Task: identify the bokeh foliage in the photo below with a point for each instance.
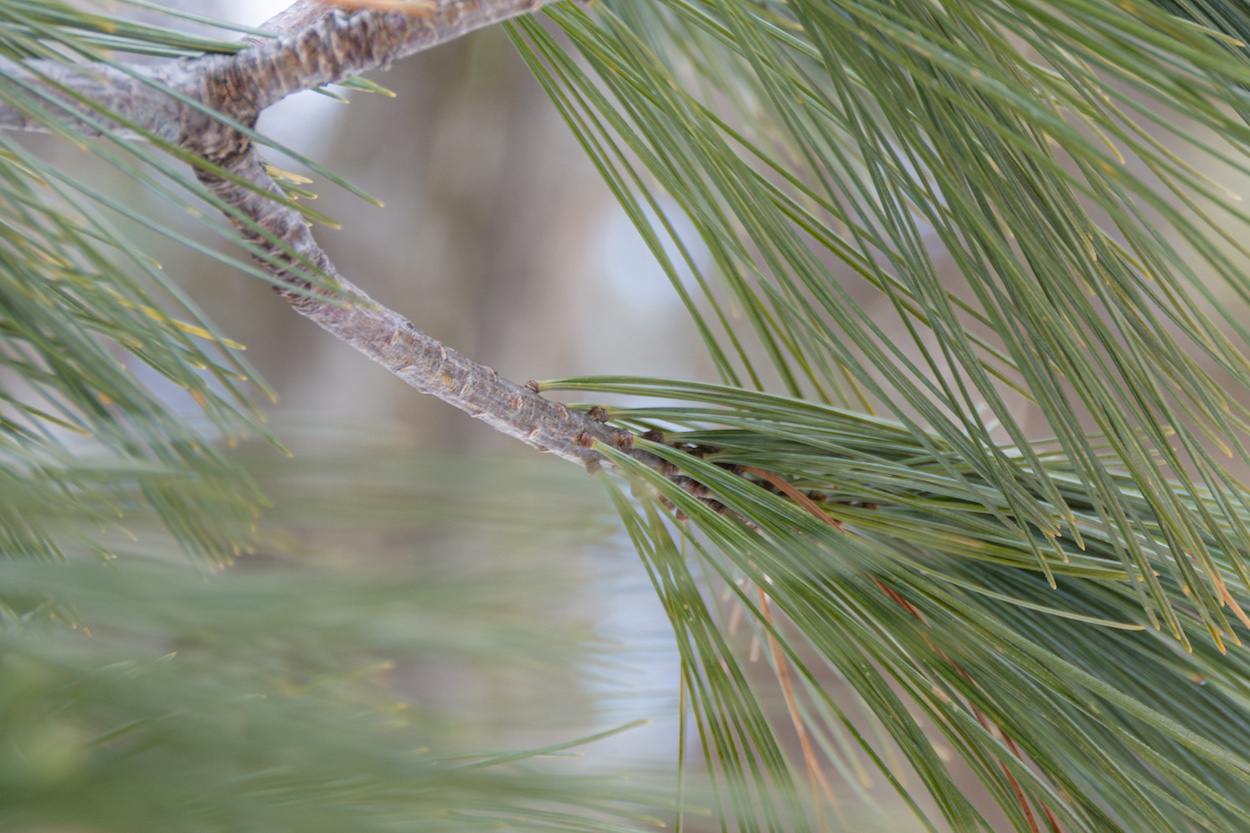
(321, 683)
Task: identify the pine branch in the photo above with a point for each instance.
(328, 46)
(219, 98)
(391, 340)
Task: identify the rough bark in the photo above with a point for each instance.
(391, 339)
(317, 44)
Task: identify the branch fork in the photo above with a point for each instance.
(221, 96)
(329, 45)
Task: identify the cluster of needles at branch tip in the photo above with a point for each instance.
(809, 501)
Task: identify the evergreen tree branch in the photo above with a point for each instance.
(333, 47)
(218, 100)
(390, 339)
(328, 45)
(318, 44)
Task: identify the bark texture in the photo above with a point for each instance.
(221, 96)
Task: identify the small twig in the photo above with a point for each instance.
(794, 494)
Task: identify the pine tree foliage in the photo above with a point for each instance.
(1013, 591)
(1064, 614)
(80, 435)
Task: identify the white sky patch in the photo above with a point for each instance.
(305, 122)
(249, 12)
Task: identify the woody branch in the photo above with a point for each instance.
(317, 44)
